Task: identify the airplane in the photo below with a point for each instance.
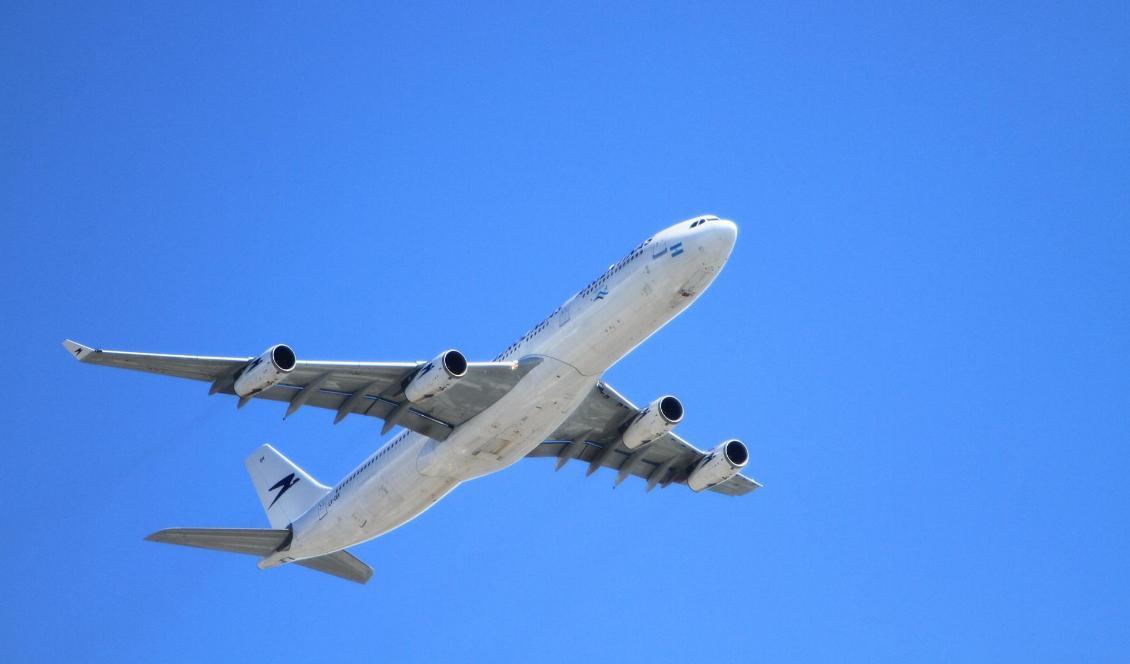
(543, 396)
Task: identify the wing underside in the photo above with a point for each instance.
(592, 435)
(373, 389)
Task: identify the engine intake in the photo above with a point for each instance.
(658, 418)
(266, 370)
(436, 376)
(721, 464)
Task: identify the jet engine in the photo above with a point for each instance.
(265, 370)
(658, 418)
(722, 463)
(436, 376)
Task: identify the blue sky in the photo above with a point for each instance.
(922, 333)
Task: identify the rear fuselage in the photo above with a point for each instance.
(576, 344)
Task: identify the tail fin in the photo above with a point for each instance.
(285, 490)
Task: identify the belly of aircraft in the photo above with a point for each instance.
(507, 431)
(425, 471)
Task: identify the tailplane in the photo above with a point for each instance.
(254, 541)
(264, 542)
(341, 564)
(285, 490)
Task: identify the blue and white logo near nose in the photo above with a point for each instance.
(674, 250)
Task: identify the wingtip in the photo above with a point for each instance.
(365, 576)
(754, 485)
(77, 350)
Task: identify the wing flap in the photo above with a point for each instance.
(372, 405)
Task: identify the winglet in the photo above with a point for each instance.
(77, 350)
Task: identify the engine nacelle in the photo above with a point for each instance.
(658, 418)
(265, 370)
(436, 376)
(721, 464)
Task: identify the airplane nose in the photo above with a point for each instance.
(729, 231)
(720, 235)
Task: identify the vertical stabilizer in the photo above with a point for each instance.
(285, 490)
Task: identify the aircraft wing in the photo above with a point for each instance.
(592, 434)
(366, 388)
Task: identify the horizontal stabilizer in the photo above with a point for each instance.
(341, 564)
(254, 541)
(263, 542)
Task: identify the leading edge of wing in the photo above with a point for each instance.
(84, 353)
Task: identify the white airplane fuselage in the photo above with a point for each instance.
(575, 344)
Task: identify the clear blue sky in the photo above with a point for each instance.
(922, 333)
